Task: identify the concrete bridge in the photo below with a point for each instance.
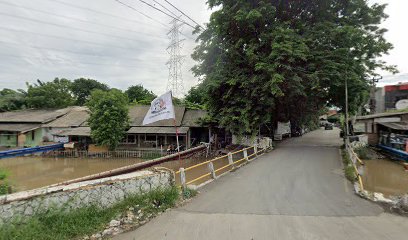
(296, 192)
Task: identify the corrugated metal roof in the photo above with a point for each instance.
(157, 130)
(379, 115)
(18, 127)
(396, 125)
(137, 114)
(80, 131)
(32, 116)
(72, 119)
(191, 118)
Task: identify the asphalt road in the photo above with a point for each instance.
(297, 191)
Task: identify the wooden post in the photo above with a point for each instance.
(211, 168)
(183, 178)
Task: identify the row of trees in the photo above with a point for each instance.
(62, 92)
(264, 61)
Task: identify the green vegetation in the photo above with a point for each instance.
(60, 224)
(139, 95)
(267, 61)
(189, 193)
(109, 118)
(362, 152)
(4, 184)
(81, 89)
(349, 170)
(12, 100)
(54, 94)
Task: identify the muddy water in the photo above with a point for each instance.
(385, 176)
(33, 172)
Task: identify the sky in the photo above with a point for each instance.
(121, 46)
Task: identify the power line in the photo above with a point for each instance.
(136, 10)
(103, 13)
(177, 19)
(70, 39)
(65, 26)
(69, 51)
(165, 8)
(64, 61)
(76, 19)
(183, 13)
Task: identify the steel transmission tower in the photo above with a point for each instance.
(175, 81)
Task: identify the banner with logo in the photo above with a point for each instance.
(160, 108)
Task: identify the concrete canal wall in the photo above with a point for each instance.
(102, 192)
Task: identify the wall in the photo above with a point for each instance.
(5, 141)
(38, 138)
(102, 192)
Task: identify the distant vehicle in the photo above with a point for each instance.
(283, 130)
(328, 126)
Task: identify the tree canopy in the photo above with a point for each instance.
(138, 94)
(109, 117)
(269, 61)
(54, 94)
(81, 89)
(12, 100)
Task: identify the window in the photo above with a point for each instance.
(32, 135)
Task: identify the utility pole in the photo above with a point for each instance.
(373, 102)
(175, 81)
(346, 114)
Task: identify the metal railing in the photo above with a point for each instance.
(143, 154)
(355, 160)
(213, 168)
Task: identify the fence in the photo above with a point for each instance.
(208, 170)
(355, 160)
(143, 154)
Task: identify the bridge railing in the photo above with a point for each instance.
(211, 169)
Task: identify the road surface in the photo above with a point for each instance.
(297, 191)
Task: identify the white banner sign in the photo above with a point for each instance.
(160, 108)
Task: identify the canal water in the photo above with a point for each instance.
(28, 173)
(385, 176)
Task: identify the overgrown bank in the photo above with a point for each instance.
(59, 223)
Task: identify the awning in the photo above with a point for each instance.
(80, 131)
(18, 127)
(157, 130)
(396, 125)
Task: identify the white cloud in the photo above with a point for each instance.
(119, 47)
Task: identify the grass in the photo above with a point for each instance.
(189, 193)
(362, 152)
(4, 184)
(61, 224)
(349, 170)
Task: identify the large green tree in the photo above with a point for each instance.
(54, 94)
(109, 117)
(139, 94)
(81, 89)
(279, 60)
(12, 100)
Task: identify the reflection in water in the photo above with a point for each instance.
(385, 176)
(33, 172)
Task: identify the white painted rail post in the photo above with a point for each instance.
(183, 178)
(230, 161)
(246, 155)
(256, 150)
(211, 168)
